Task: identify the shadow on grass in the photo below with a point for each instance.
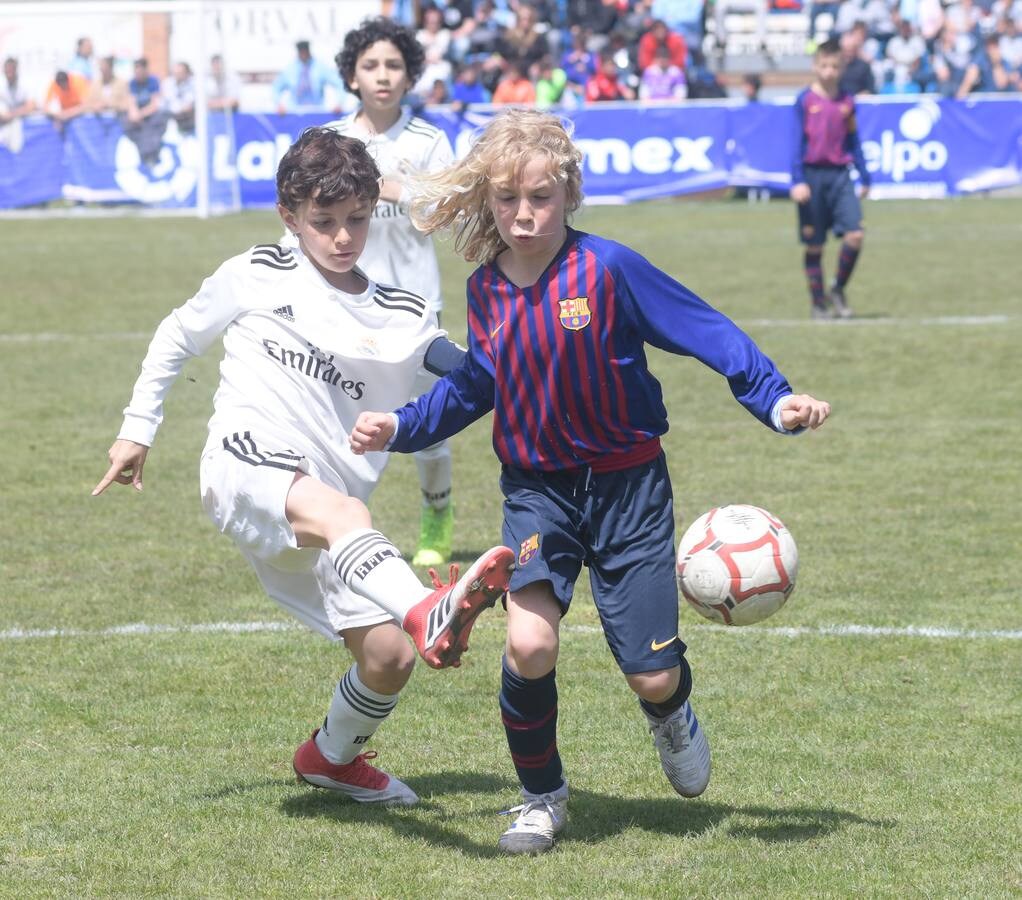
(593, 817)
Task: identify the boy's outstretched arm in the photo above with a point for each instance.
(803, 411)
(372, 431)
(127, 459)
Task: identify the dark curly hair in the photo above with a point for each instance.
(359, 40)
(325, 166)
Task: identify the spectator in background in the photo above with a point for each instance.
(930, 20)
(82, 63)
(437, 94)
(15, 104)
(619, 47)
(478, 34)
(965, 16)
(988, 72)
(904, 56)
(468, 88)
(179, 93)
(578, 62)
(683, 16)
(436, 69)
(306, 83)
(751, 84)
(951, 59)
(65, 97)
(525, 41)
(433, 36)
(146, 119)
(597, 18)
(1010, 42)
(821, 8)
(551, 83)
(456, 12)
(659, 35)
(223, 89)
(514, 87)
(662, 79)
(857, 73)
(605, 84)
(107, 93)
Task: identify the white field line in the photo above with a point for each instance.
(907, 631)
(44, 337)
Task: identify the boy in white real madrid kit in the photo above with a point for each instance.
(310, 342)
(378, 63)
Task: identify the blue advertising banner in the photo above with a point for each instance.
(31, 163)
(922, 148)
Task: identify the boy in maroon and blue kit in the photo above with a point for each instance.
(828, 142)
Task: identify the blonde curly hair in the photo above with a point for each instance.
(457, 198)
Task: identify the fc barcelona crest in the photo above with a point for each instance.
(574, 313)
(529, 548)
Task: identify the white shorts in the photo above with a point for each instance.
(244, 490)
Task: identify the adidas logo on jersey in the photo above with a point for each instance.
(285, 312)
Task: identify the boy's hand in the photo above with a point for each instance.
(126, 462)
(371, 432)
(801, 410)
(800, 193)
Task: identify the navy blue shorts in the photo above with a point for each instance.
(621, 526)
(833, 205)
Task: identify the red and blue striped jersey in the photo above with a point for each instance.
(563, 362)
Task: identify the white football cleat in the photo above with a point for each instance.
(684, 751)
(540, 819)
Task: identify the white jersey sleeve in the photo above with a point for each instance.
(301, 360)
(188, 331)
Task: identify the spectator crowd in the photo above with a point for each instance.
(566, 53)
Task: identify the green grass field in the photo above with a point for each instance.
(867, 739)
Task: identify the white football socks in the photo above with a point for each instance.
(372, 567)
(355, 714)
(434, 465)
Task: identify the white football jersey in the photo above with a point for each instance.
(397, 252)
(301, 360)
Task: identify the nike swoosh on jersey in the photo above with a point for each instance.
(659, 645)
(495, 330)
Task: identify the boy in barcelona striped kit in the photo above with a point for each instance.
(558, 321)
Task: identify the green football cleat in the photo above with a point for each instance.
(435, 529)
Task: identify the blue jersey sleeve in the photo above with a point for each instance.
(668, 315)
(463, 395)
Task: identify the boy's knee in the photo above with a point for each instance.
(655, 686)
(854, 239)
(532, 655)
(385, 659)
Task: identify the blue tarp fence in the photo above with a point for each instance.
(914, 148)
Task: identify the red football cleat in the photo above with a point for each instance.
(357, 779)
(440, 623)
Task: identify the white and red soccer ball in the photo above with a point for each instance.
(737, 564)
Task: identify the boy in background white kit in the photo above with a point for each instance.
(309, 342)
(379, 63)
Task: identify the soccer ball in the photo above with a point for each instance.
(737, 564)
